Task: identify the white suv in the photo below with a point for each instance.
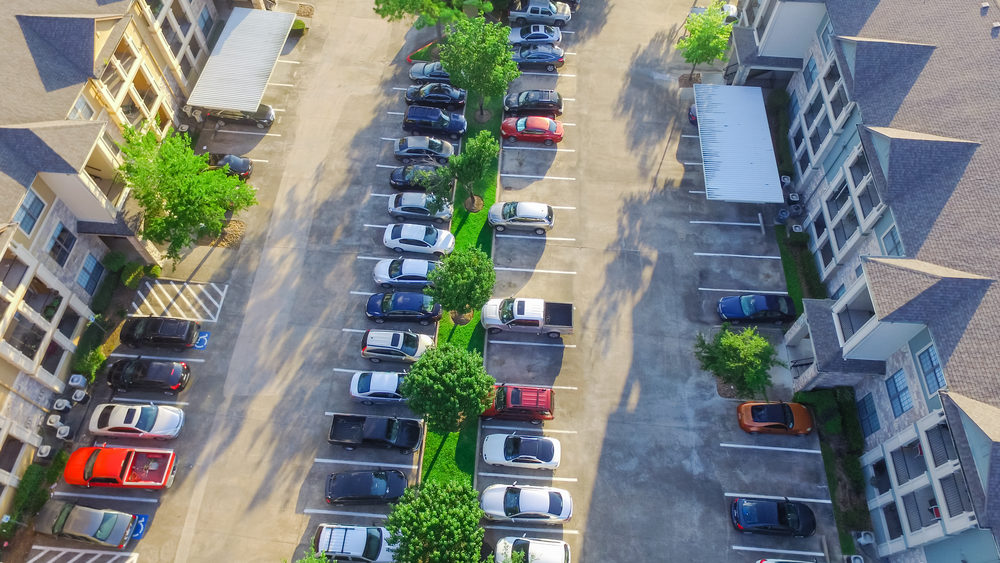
(394, 345)
(353, 543)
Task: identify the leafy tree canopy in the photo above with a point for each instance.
(464, 281)
(477, 157)
(181, 199)
(429, 12)
(437, 523)
(478, 57)
(313, 557)
(742, 359)
(448, 386)
(707, 36)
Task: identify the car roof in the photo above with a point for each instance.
(415, 267)
(537, 122)
(384, 381)
(536, 446)
(409, 300)
(768, 412)
(534, 499)
(384, 337)
(758, 511)
(344, 539)
(412, 198)
(121, 413)
(532, 209)
(413, 230)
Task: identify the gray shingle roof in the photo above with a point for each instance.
(62, 48)
(829, 358)
(884, 71)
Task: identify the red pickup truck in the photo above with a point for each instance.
(104, 466)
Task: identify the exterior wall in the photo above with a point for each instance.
(889, 424)
(778, 42)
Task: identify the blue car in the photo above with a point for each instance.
(757, 308)
(403, 306)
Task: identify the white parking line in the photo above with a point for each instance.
(385, 166)
(790, 551)
(696, 191)
(373, 257)
(532, 177)
(290, 62)
(389, 138)
(280, 84)
(533, 344)
(342, 370)
(344, 513)
(773, 448)
(104, 497)
(539, 477)
(164, 358)
(394, 112)
(569, 124)
(353, 329)
(400, 89)
(520, 148)
(380, 464)
(365, 293)
(546, 530)
(569, 99)
(537, 237)
(556, 387)
(278, 109)
(380, 195)
(563, 207)
(568, 53)
(247, 133)
(375, 226)
(693, 164)
(553, 74)
(157, 401)
(258, 160)
(726, 290)
(761, 256)
(733, 223)
(114, 555)
(774, 497)
(538, 429)
(689, 136)
(500, 268)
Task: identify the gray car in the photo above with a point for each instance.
(416, 205)
(520, 215)
(536, 33)
(104, 527)
(421, 149)
(403, 273)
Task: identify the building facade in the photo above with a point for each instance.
(895, 137)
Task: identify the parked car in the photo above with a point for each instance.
(410, 237)
(394, 345)
(160, 332)
(526, 503)
(436, 94)
(547, 103)
(106, 527)
(535, 550)
(547, 57)
(757, 308)
(140, 374)
(535, 34)
(534, 129)
(406, 273)
(403, 306)
(693, 115)
(377, 387)
(417, 149)
(406, 178)
(774, 418)
(775, 517)
(427, 120)
(262, 118)
(365, 487)
(539, 11)
(520, 402)
(520, 215)
(529, 452)
(160, 422)
(240, 166)
(352, 431)
(422, 73)
(354, 544)
(416, 205)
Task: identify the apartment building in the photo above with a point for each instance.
(76, 72)
(896, 138)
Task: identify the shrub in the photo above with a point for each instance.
(102, 298)
(854, 473)
(54, 471)
(299, 25)
(32, 492)
(114, 261)
(154, 271)
(833, 426)
(798, 240)
(821, 400)
(88, 364)
(132, 273)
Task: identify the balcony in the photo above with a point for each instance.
(878, 481)
(956, 494)
(12, 271)
(53, 357)
(24, 336)
(69, 323)
(893, 525)
(908, 462)
(941, 444)
(113, 189)
(43, 299)
(921, 509)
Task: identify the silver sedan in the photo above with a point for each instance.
(416, 205)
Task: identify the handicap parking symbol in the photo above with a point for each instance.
(202, 341)
(140, 526)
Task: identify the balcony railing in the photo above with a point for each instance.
(942, 445)
(12, 272)
(908, 462)
(921, 509)
(24, 336)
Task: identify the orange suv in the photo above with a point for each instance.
(517, 402)
(774, 418)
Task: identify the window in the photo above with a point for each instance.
(859, 169)
(840, 196)
(831, 78)
(205, 21)
(868, 415)
(931, 368)
(81, 110)
(846, 228)
(826, 37)
(90, 275)
(891, 244)
(868, 199)
(29, 212)
(814, 110)
(859, 270)
(825, 254)
(61, 244)
(809, 73)
(818, 226)
(820, 133)
(899, 393)
(803, 163)
(839, 293)
(793, 105)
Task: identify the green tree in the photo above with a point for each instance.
(440, 183)
(478, 158)
(464, 281)
(707, 36)
(181, 199)
(448, 385)
(742, 359)
(478, 57)
(313, 557)
(429, 12)
(437, 523)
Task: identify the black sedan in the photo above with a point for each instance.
(403, 306)
(775, 517)
(533, 102)
(766, 308)
(365, 487)
(408, 178)
(138, 374)
(436, 94)
(539, 56)
(422, 73)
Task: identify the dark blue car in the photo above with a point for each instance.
(773, 308)
(775, 517)
(403, 306)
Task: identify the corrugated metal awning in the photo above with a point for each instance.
(736, 145)
(242, 61)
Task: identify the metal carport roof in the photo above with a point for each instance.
(736, 148)
(242, 61)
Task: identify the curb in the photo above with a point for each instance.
(410, 60)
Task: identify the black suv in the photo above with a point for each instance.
(160, 332)
(423, 120)
(534, 102)
(262, 118)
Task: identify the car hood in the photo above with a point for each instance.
(510, 101)
(169, 421)
(374, 306)
(807, 520)
(492, 500)
(493, 447)
(729, 308)
(411, 92)
(381, 271)
(491, 310)
(494, 214)
(169, 373)
(419, 69)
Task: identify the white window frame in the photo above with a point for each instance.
(80, 107)
(41, 211)
(923, 376)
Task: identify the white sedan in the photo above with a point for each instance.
(535, 550)
(408, 237)
(529, 452)
(382, 387)
(136, 421)
(525, 503)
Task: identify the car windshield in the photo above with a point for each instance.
(789, 515)
(427, 304)
(746, 303)
(395, 268)
(511, 447)
(555, 503)
(402, 144)
(506, 310)
(435, 145)
(522, 123)
(139, 327)
(373, 544)
(510, 498)
(387, 302)
(521, 546)
(428, 89)
(380, 484)
(147, 416)
(88, 469)
(107, 524)
(410, 342)
(509, 211)
(444, 121)
(499, 398)
(365, 382)
(133, 371)
(789, 418)
(783, 306)
(528, 96)
(431, 236)
(553, 8)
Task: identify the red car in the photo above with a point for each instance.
(532, 128)
(518, 402)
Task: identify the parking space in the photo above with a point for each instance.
(56, 554)
(194, 301)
